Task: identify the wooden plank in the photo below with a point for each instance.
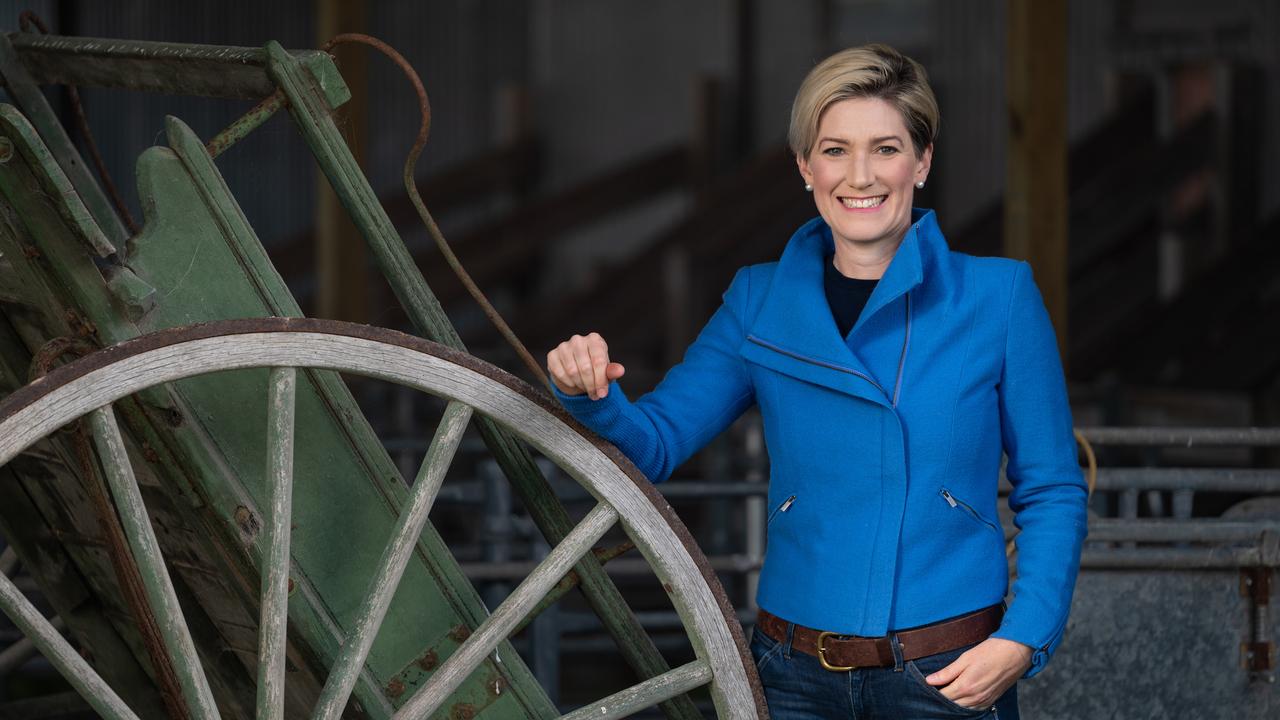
(195, 222)
(429, 319)
(386, 578)
(167, 68)
(25, 91)
(146, 552)
(646, 694)
(659, 535)
(60, 653)
(509, 614)
(273, 625)
(1036, 170)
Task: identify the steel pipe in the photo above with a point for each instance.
(1183, 437)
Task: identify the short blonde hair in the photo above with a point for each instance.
(874, 70)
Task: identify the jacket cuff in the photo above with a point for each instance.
(595, 414)
(1022, 628)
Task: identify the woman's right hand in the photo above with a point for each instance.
(581, 365)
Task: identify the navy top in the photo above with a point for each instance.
(846, 296)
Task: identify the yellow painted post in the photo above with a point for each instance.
(1036, 200)
(341, 257)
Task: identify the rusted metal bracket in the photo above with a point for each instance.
(1258, 651)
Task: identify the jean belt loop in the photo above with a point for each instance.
(896, 646)
(791, 634)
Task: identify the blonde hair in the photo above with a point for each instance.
(868, 71)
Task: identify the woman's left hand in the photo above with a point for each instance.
(980, 676)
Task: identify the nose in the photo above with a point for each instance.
(859, 173)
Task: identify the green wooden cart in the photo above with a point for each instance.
(198, 495)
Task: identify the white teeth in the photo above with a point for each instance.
(863, 203)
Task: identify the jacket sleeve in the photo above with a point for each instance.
(1049, 493)
(696, 400)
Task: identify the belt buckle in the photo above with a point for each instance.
(822, 655)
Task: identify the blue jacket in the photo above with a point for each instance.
(885, 446)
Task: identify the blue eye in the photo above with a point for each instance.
(887, 150)
(833, 151)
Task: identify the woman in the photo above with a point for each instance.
(892, 374)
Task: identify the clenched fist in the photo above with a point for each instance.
(581, 365)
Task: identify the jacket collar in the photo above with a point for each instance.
(795, 320)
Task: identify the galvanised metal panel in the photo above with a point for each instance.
(1153, 644)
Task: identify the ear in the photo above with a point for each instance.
(802, 163)
(924, 163)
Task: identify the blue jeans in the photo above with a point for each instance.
(797, 687)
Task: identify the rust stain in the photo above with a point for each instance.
(81, 324)
(246, 521)
(462, 711)
(150, 454)
(429, 661)
(30, 252)
(460, 633)
(395, 688)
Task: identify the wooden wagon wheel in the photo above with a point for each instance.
(89, 386)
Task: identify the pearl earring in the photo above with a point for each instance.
(808, 187)
(920, 185)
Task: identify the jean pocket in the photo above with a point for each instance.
(934, 696)
(763, 649)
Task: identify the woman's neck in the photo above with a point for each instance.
(864, 261)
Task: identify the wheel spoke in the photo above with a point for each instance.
(146, 552)
(646, 694)
(60, 654)
(499, 625)
(346, 668)
(273, 624)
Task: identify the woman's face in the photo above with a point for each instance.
(863, 169)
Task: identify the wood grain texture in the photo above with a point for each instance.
(646, 694)
(273, 624)
(146, 553)
(315, 123)
(80, 387)
(342, 676)
(60, 653)
(508, 615)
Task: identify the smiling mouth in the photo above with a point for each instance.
(863, 203)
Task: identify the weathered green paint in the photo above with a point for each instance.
(160, 67)
(42, 495)
(273, 620)
(424, 310)
(494, 630)
(206, 229)
(205, 263)
(146, 553)
(386, 578)
(25, 91)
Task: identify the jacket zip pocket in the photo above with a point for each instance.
(955, 502)
(783, 507)
(814, 361)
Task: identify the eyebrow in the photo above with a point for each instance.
(874, 140)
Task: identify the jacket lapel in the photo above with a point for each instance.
(794, 332)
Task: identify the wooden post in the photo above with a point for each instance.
(341, 257)
(1035, 214)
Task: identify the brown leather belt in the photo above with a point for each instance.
(848, 652)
